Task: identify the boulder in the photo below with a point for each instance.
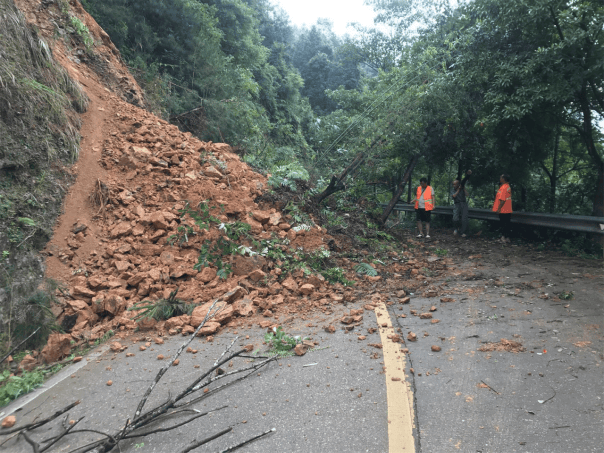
(82, 291)
(206, 275)
(9, 422)
(96, 283)
(174, 323)
(235, 294)
(274, 219)
(224, 315)
(316, 280)
(148, 249)
(307, 288)
(243, 265)
(57, 347)
(209, 328)
(28, 363)
(146, 324)
(137, 278)
(158, 220)
(290, 284)
(257, 275)
(141, 153)
(121, 229)
(261, 216)
(212, 172)
(114, 304)
(244, 307)
(300, 349)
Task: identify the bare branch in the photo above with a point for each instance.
(159, 430)
(193, 445)
(18, 346)
(66, 430)
(161, 372)
(35, 425)
(33, 444)
(235, 447)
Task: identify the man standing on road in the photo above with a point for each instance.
(460, 205)
(424, 204)
(503, 207)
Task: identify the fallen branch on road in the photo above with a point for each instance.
(140, 425)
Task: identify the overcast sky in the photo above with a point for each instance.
(340, 12)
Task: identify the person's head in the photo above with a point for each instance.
(504, 178)
(456, 184)
(423, 182)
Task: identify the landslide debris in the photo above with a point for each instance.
(149, 197)
(158, 181)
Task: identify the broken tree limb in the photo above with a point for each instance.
(491, 388)
(401, 187)
(217, 389)
(146, 423)
(337, 181)
(198, 443)
(170, 428)
(35, 425)
(223, 353)
(19, 345)
(235, 447)
(161, 372)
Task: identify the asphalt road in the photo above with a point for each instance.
(546, 399)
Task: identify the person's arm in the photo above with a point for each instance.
(465, 178)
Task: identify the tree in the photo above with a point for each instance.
(536, 59)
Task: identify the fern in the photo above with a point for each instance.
(364, 268)
(285, 175)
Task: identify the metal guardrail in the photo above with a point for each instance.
(582, 223)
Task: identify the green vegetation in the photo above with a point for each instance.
(364, 268)
(82, 31)
(12, 387)
(436, 79)
(161, 309)
(280, 343)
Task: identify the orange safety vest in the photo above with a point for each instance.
(428, 201)
(504, 193)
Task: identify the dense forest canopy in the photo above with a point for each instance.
(513, 86)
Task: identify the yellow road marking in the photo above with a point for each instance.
(400, 399)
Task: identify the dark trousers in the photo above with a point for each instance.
(460, 216)
(505, 224)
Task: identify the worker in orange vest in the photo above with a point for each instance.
(424, 204)
(503, 207)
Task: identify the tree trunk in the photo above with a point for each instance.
(337, 182)
(588, 138)
(554, 176)
(401, 188)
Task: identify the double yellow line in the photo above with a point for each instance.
(400, 397)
